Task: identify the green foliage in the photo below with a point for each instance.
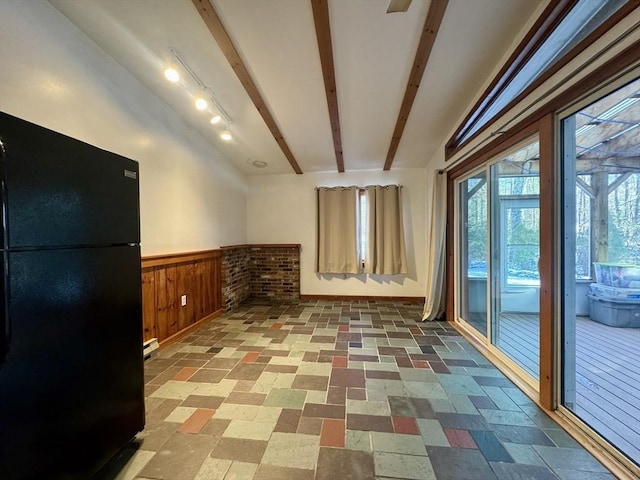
(624, 221)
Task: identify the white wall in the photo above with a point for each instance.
(282, 209)
(54, 75)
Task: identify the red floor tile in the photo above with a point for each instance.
(185, 373)
(460, 438)
(250, 357)
(404, 362)
(196, 421)
(420, 364)
(340, 362)
(332, 434)
(405, 425)
(343, 328)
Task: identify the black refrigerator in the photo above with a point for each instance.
(71, 364)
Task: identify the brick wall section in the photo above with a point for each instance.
(236, 276)
(260, 271)
(275, 272)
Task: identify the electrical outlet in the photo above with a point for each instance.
(183, 300)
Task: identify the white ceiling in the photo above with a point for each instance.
(373, 54)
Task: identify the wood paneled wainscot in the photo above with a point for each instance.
(166, 280)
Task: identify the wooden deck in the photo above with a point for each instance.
(607, 374)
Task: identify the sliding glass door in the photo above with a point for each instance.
(601, 267)
(474, 234)
(499, 235)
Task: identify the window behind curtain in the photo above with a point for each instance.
(385, 247)
(361, 230)
(337, 245)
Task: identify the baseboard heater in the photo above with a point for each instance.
(150, 348)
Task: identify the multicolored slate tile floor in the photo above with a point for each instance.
(335, 391)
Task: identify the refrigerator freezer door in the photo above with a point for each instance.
(71, 385)
(63, 192)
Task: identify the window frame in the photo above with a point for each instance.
(617, 70)
(544, 26)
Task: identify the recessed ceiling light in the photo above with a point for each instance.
(226, 135)
(172, 75)
(215, 119)
(259, 163)
(201, 103)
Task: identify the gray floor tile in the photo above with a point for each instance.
(457, 464)
(273, 415)
(570, 459)
(514, 471)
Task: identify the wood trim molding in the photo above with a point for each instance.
(215, 26)
(175, 258)
(546, 263)
(450, 265)
(537, 34)
(427, 40)
(325, 48)
(457, 142)
(362, 297)
(262, 245)
(624, 60)
(545, 24)
(504, 142)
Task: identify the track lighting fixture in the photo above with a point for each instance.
(172, 75)
(204, 98)
(201, 103)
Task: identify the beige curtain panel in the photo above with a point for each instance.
(337, 246)
(435, 299)
(385, 253)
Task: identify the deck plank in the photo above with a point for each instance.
(607, 371)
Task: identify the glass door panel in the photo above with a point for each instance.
(474, 233)
(515, 249)
(601, 267)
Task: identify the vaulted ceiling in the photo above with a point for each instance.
(311, 85)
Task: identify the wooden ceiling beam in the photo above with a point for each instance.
(427, 40)
(323, 35)
(215, 26)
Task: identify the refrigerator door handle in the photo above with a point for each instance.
(4, 288)
(4, 323)
(4, 344)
